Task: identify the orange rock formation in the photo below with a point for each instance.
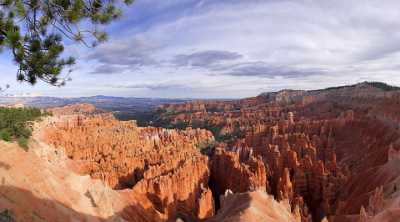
(163, 165)
(330, 155)
(318, 147)
(231, 171)
(253, 206)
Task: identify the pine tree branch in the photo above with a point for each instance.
(2, 32)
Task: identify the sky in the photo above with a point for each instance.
(232, 49)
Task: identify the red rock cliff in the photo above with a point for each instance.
(163, 165)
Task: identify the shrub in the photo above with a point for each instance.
(5, 135)
(206, 147)
(15, 124)
(23, 143)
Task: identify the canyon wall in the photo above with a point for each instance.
(33, 188)
(326, 155)
(163, 165)
(315, 147)
(254, 206)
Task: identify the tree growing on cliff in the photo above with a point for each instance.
(15, 124)
(33, 31)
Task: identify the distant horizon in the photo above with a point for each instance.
(231, 49)
(66, 97)
(8, 95)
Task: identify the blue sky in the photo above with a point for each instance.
(232, 49)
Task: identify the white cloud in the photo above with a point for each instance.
(278, 44)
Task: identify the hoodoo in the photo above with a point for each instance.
(267, 158)
(114, 119)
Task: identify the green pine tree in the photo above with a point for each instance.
(33, 31)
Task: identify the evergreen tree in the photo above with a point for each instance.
(33, 30)
(15, 124)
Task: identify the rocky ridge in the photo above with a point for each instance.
(163, 165)
(317, 147)
(285, 156)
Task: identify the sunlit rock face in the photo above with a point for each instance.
(239, 174)
(318, 148)
(39, 185)
(163, 165)
(80, 108)
(329, 155)
(254, 206)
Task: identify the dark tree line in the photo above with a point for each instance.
(15, 124)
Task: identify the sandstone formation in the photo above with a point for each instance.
(318, 147)
(323, 155)
(32, 189)
(253, 206)
(80, 108)
(163, 165)
(231, 171)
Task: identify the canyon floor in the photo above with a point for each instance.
(302, 156)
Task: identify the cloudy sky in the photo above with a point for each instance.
(233, 48)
